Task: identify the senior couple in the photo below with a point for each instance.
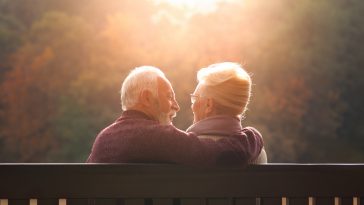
(144, 132)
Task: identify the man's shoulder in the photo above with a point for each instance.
(141, 129)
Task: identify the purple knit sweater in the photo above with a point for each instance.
(134, 137)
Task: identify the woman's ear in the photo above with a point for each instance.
(210, 107)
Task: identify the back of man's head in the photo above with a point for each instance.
(139, 79)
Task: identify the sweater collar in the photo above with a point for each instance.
(135, 114)
(222, 125)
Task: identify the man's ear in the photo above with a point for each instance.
(146, 98)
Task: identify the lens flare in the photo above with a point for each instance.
(200, 6)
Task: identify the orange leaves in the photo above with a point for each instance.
(27, 107)
(32, 90)
(64, 79)
(42, 59)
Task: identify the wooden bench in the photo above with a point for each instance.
(158, 184)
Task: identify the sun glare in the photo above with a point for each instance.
(193, 4)
(199, 6)
(186, 9)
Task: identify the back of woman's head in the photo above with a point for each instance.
(228, 84)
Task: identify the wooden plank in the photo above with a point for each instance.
(337, 200)
(76, 202)
(193, 201)
(258, 201)
(163, 201)
(167, 181)
(311, 200)
(284, 201)
(356, 200)
(245, 201)
(347, 201)
(104, 202)
(218, 201)
(298, 201)
(176, 201)
(325, 201)
(62, 201)
(359, 200)
(19, 202)
(134, 202)
(33, 201)
(120, 202)
(48, 202)
(4, 202)
(101, 201)
(271, 201)
(148, 201)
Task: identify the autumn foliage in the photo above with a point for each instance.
(62, 64)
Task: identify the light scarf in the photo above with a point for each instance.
(220, 125)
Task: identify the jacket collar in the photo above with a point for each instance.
(222, 125)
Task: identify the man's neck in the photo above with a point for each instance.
(143, 110)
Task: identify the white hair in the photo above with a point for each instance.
(221, 72)
(139, 79)
(228, 83)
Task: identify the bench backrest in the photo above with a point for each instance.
(148, 184)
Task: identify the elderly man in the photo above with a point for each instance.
(220, 101)
(144, 132)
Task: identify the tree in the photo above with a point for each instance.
(34, 91)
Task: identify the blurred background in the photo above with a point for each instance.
(62, 64)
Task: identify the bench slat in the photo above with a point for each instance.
(325, 201)
(217, 201)
(163, 201)
(245, 201)
(271, 201)
(193, 201)
(193, 185)
(76, 202)
(298, 201)
(18, 201)
(134, 202)
(47, 202)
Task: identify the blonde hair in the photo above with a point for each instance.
(140, 79)
(228, 84)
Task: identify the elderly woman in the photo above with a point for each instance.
(220, 101)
